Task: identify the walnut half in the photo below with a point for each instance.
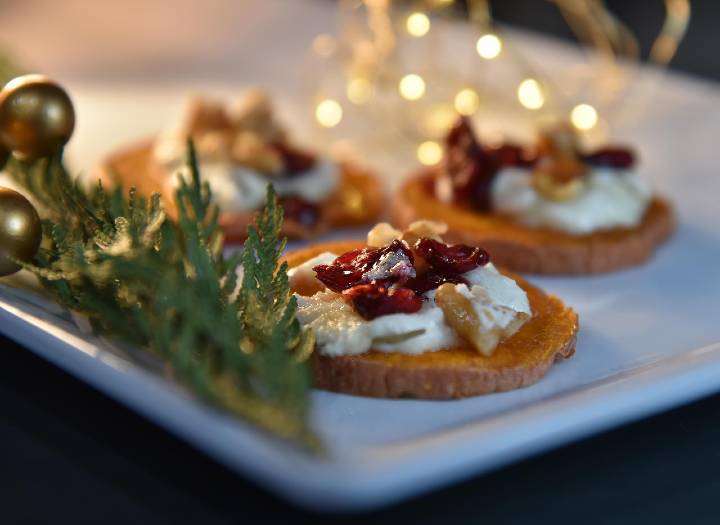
(424, 228)
(383, 233)
(559, 174)
(463, 317)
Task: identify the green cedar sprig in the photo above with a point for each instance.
(166, 285)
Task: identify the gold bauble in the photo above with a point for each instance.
(36, 117)
(20, 230)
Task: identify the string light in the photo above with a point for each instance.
(412, 87)
(438, 120)
(359, 90)
(329, 113)
(324, 45)
(584, 116)
(417, 24)
(488, 46)
(530, 94)
(429, 153)
(467, 101)
(376, 52)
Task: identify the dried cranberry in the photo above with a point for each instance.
(374, 300)
(432, 280)
(347, 270)
(511, 155)
(392, 264)
(611, 158)
(295, 161)
(300, 211)
(451, 259)
(395, 264)
(461, 141)
(470, 169)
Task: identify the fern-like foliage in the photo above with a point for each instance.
(166, 285)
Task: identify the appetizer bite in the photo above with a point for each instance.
(407, 315)
(555, 210)
(239, 151)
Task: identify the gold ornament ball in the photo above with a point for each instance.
(36, 117)
(20, 230)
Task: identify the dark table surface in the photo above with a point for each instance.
(70, 454)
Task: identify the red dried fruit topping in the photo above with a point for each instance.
(373, 300)
(394, 265)
(432, 280)
(300, 211)
(512, 155)
(451, 259)
(472, 168)
(347, 270)
(461, 144)
(468, 167)
(611, 157)
(388, 265)
(295, 160)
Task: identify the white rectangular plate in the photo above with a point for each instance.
(645, 345)
(649, 336)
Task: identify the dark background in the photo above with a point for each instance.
(69, 454)
(698, 53)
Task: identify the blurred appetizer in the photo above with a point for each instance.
(239, 151)
(407, 315)
(555, 209)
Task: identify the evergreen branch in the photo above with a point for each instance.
(138, 276)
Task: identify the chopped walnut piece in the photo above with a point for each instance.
(424, 228)
(204, 115)
(382, 234)
(304, 283)
(213, 145)
(558, 140)
(255, 113)
(547, 186)
(558, 174)
(462, 316)
(249, 149)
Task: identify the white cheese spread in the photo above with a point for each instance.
(610, 199)
(237, 188)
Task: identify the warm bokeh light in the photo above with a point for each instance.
(530, 94)
(584, 116)
(417, 24)
(329, 113)
(412, 87)
(359, 90)
(441, 3)
(467, 101)
(429, 153)
(438, 120)
(489, 46)
(324, 45)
